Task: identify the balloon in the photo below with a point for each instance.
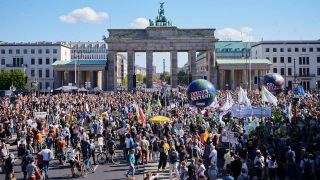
(201, 93)
(273, 82)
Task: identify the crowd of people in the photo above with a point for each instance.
(190, 146)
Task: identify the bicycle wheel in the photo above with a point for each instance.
(115, 160)
(101, 158)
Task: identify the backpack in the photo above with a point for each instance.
(173, 157)
(307, 168)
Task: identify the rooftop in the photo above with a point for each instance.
(243, 61)
(80, 62)
(39, 43)
(287, 42)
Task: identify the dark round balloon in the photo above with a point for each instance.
(274, 82)
(201, 93)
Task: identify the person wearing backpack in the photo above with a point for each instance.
(173, 159)
(306, 165)
(192, 172)
(155, 149)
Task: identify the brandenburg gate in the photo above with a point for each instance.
(160, 36)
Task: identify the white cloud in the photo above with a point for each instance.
(234, 34)
(86, 15)
(139, 23)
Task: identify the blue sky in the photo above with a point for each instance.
(57, 20)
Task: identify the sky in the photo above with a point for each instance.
(88, 20)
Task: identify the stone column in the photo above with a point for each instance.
(232, 79)
(94, 82)
(244, 77)
(80, 78)
(192, 64)
(174, 69)
(221, 77)
(104, 78)
(130, 68)
(212, 71)
(57, 79)
(91, 78)
(149, 68)
(112, 72)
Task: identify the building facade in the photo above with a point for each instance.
(88, 50)
(34, 59)
(294, 60)
(235, 66)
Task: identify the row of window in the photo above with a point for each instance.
(291, 50)
(101, 50)
(282, 71)
(17, 62)
(87, 56)
(302, 71)
(302, 60)
(31, 51)
(47, 85)
(40, 75)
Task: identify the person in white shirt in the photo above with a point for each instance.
(201, 169)
(100, 143)
(47, 156)
(213, 155)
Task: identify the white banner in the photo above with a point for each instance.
(40, 114)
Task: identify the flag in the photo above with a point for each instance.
(266, 96)
(288, 111)
(205, 136)
(159, 102)
(148, 112)
(243, 98)
(228, 104)
(142, 116)
(301, 90)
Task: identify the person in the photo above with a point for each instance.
(144, 143)
(129, 144)
(9, 164)
(192, 170)
(213, 171)
(47, 156)
(111, 148)
(272, 167)
(163, 155)
(290, 163)
(243, 175)
(201, 168)
(92, 151)
(183, 172)
(228, 176)
(155, 149)
(213, 155)
(173, 158)
(100, 142)
(74, 159)
(307, 166)
(85, 149)
(25, 161)
(31, 170)
(131, 163)
(61, 144)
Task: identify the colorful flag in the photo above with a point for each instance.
(148, 112)
(243, 98)
(301, 91)
(288, 111)
(266, 96)
(142, 116)
(159, 102)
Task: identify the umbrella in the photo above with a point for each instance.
(159, 119)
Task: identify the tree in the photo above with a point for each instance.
(183, 78)
(165, 77)
(15, 78)
(139, 77)
(125, 81)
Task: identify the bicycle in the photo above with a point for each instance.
(105, 156)
(84, 167)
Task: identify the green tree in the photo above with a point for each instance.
(15, 78)
(139, 77)
(183, 78)
(5, 79)
(125, 81)
(18, 78)
(165, 76)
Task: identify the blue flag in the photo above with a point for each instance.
(301, 90)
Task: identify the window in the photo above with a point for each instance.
(17, 51)
(267, 49)
(32, 51)
(289, 49)
(47, 61)
(281, 50)
(21, 61)
(296, 49)
(274, 49)
(47, 85)
(40, 73)
(47, 73)
(281, 59)
(47, 51)
(289, 71)
(3, 51)
(14, 62)
(310, 49)
(39, 51)
(54, 59)
(318, 59)
(275, 70)
(318, 71)
(32, 72)
(318, 49)
(25, 51)
(304, 49)
(32, 61)
(40, 85)
(307, 60)
(282, 71)
(274, 59)
(290, 84)
(55, 51)
(3, 61)
(300, 60)
(289, 60)
(10, 51)
(40, 61)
